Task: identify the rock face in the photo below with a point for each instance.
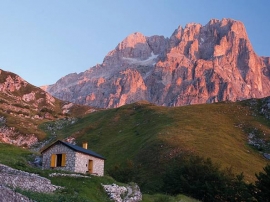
(27, 181)
(130, 193)
(7, 194)
(23, 107)
(21, 95)
(11, 136)
(197, 64)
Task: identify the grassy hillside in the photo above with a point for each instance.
(142, 141)
(75, 189)
(147, 138)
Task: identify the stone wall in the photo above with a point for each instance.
(75, 161)
(81, 164)
(59, 148)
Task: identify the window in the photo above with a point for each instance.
(58, 160)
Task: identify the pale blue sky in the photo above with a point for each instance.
(45, 40)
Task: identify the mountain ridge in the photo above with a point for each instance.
(23, 107)
(197, 64)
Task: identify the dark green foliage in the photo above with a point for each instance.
(204, 180)
(164, 198)
(61, 195)
(262, 185)
(44, 109)
(125, 173)
(3, 101)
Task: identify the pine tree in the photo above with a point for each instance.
(262, 184)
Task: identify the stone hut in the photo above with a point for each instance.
(65, 156)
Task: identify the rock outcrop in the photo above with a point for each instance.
(129, 193)
(197, 64)
(23, 107)
(27, 181)
(12, 179)
(9, 195)
(11, 136)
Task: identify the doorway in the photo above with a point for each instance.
(90, 166)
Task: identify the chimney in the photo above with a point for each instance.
(85, 145)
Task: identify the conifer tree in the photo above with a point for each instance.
(262, 184)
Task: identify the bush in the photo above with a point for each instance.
(204, 180)
(262, 185)
(44, 109)
(164, 198)
(125, 173)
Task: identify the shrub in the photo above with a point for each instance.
(262, 185)
(44, 109)
(125, 173)
(163, 198)
(204, 180)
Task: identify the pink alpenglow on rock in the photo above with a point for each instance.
(197, 64)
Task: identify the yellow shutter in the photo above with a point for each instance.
(63, 162)
(53, 160)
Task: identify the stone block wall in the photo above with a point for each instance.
(81, 164)
(59, 149)
(75, 161)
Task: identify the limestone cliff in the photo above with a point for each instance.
(197, 64)
(23, 107)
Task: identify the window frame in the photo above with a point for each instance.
(58, 160)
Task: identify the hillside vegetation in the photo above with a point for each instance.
(143, 140)
(74, 189)
(148, 144)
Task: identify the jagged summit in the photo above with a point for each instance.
(197, 64)
(132, 40)
(135, 47)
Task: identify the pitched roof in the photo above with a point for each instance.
(76, 148)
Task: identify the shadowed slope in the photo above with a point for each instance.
(149, 137)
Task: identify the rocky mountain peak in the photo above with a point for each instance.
(197, 64)
(228, 25)
(132, 49)
(132, 40)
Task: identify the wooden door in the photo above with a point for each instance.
(90, 166)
